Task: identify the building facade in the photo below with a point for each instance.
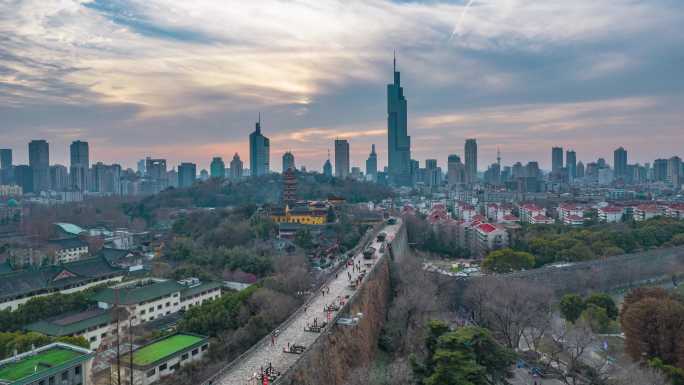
(341, 158)
(470, 152)
(259, 152)
(39, 161)
(398, 141)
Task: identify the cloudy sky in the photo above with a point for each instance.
(185, 80)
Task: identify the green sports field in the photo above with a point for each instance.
(163, 348)
(27, 366)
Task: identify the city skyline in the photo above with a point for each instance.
(498, 75)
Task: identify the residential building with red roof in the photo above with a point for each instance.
(643, 212)
(528, 211)
(541, 220)
(610, 214)
(488, 237)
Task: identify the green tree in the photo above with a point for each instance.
(507, 260)
(304, 239)
(466, 356)
(603, 301)
(598, 319)
(571, 307)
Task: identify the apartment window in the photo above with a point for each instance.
(168, 304)
(103, 335)
(93, 338)
(184, 357)
(151, 372)
(194, 352)
(205, 347)
(143, 311)
(151, 309)
(175, 367)
(77, 370)
(159, 307)
(65, 376)
(162, 367)
(51, 381)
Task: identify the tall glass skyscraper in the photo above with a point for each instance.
(39, 160)
(259, 152)
(80, 165)
(341, 158)
(372, 165)
(470, 151)
(399, 143)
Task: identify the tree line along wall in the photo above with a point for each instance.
(609, 274)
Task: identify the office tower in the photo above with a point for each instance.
(674, 171)
(341, 158)
(156, 168)
(236, 167)
(259, 152)
(433, 174)
(39, 161)
(59, 177)
(288, 161)
(217, 168)
(372, 165)
(356, 173)
(580, 170)
(518, 170)
(493, 174)
(204, 175)
(556, 159)
(106, 179)
(79, 165)
(398, 141)
(660, 167)
(471, 160)
(327, 167)
(187, 174)
(455, 170)
(6, 174)
(601, 163)
(23, 176)
(571, 164)
(620, 163)
(606, 176)
(532, 170)
(141, 167)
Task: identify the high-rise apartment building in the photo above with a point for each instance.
(398, 141)
(372, 165)
(660, 169)
(580, 170)
(620, 163)
(327, 168)
(59, 177)
(187, 174)
(217, 168)
(556, 159)
(236, 167)
(470, 152)
(106, 179)
(341, 158)
(79, 166)
(23, 177)
(6, 167)
(288, 161)
(259, 152)
(455, 170)
(39, 161)
(571, 164)
(674, 171)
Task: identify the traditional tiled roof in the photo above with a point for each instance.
(146, 290)
(54, 278)
(72, 323)
(510, 217)
(574, 218)
(68, 243)
(202, 287)
(113, 255)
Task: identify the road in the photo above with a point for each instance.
(243, 371)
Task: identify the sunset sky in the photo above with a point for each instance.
(185, 80)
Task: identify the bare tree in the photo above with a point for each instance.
(638, 375)
(511, 308)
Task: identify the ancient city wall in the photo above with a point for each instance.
(342, 348)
